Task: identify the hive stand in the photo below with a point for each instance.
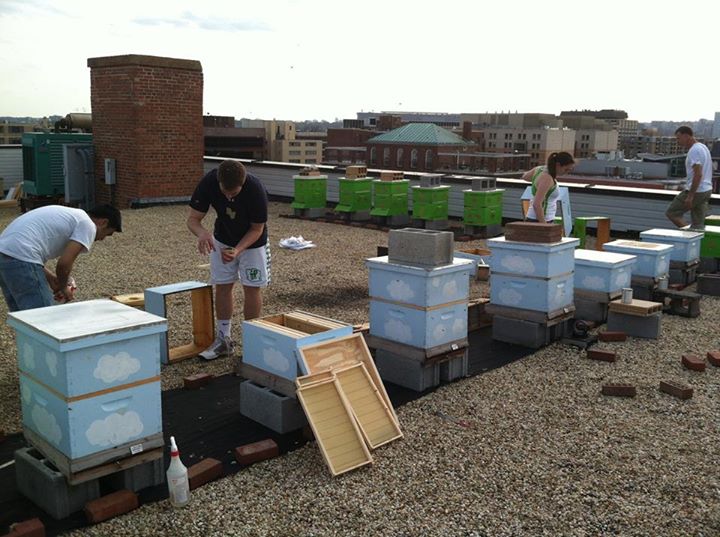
(603, 230)
(203, 320)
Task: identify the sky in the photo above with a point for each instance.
(301, 60)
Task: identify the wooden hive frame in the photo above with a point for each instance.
(336, 431)
(375, 419)
(340, 353)
(203, 318)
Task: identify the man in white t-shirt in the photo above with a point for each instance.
(698, 188)
(36, 237)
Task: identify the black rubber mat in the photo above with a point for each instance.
(207, 423)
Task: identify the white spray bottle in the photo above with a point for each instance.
(177, 478)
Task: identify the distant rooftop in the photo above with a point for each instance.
(420, 134)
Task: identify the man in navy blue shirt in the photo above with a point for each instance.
(238, 246)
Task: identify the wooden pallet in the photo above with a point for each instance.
(639, 308)
(102, 463)
(336, 431)
(478, 317)
(266, 379)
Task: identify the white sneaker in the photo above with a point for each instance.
(220, 347)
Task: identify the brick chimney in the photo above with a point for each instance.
(467, 130)
(147, 115)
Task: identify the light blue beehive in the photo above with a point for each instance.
(686, 243)
(90, 377)
(653, 259)
(416, 327)
(419, 286)
(542, 260)
(538, 294)
(271, 343)
(604, 272)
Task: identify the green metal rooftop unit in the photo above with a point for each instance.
(43, 161)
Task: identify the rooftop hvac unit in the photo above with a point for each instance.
(43, 161)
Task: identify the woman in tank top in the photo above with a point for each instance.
(545, 187)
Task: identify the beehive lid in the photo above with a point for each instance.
(82, 320)
(595, 257)
(638, 246)
(672, 234)
(501, 242)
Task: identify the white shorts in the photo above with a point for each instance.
(251, 267)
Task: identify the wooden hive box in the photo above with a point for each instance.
(271, 343)
(89, 381)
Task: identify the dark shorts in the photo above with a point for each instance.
(698, 211)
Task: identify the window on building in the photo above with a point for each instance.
(311, 160)
(373, 156)
(310, 144)
(414, 158)
(399, 158)
(296, 153)
(386, 157)
(428, 159)
(295, 160)
(313, 152)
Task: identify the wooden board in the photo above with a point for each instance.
(135, 300)
(308, 380)
(376, 420)
(343, 352)
(334, 426)
(533, 232)
(101, 463)
(640, 308)
(265, 378)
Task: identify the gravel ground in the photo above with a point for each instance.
(546, 454)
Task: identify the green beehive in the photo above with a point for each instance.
(710, 244)
(390, 198)
(430, 203)
(482, 207)
(310, 191)
(355, 195)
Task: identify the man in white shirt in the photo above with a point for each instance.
(698, 187)
(50, 232)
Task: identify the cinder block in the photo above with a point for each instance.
(708, 265)
(142, 476)
(603, 356)
(676, 389)
(39, 481)
(112, 505)
(612, 336)
(257, 451)
(693, 362)
(619, 390)
(643, 291)
(645, 327)
(527, 333)
(684, 276)
(27, 528)
(198, 380)
(406, 372)
(708, 284)
(430, 180)
(484, 183)
(714, 358)
(590, 310)
(421, 247)
(454, 368)
(204, 471)
(275, 411)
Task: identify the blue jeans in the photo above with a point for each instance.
(24, 284)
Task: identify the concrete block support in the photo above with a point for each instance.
(275, 411)
(421, 247)
(635, 326)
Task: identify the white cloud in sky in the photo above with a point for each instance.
(297, 60)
